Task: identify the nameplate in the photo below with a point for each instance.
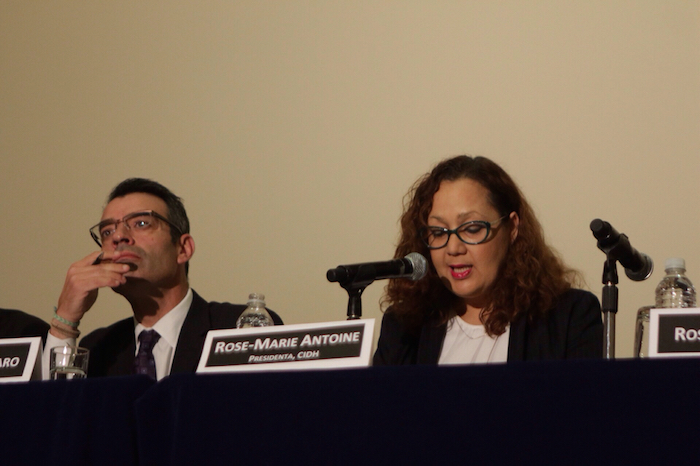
(20, 359)
(674, 333)
(289, 347)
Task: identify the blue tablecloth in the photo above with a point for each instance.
(72, 423)
(585, 412)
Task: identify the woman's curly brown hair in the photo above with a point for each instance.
(530, 279)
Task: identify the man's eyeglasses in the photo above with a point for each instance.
(136, 223)
(473, 232)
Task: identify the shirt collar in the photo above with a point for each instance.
(169, 326)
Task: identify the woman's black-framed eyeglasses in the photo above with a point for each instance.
(472, 232)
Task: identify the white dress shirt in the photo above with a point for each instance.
(168, 327)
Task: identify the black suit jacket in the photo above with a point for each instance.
(16, 324)
(573, 329)
(112, 349)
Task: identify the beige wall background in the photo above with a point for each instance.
(292, 129)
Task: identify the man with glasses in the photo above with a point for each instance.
(145, 252)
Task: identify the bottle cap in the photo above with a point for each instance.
(674, 263)
(255, 298)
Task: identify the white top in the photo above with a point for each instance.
(470, 344)
(168, 327)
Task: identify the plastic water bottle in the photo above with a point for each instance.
(255, 314)
(675, 290)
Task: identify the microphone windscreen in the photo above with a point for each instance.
(420, 265)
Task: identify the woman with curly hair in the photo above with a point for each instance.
(494, 291)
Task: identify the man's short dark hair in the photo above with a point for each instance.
(176, 210)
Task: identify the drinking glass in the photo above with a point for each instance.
(69, 362)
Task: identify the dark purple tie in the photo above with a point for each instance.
(144, 362)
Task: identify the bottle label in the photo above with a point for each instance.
(674, 332)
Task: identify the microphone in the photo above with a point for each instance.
(638, 266)
(413, 266)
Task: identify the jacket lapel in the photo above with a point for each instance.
(124, 362)
(114, 354)
(518, 338)
(430, 345)
(191, 340)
